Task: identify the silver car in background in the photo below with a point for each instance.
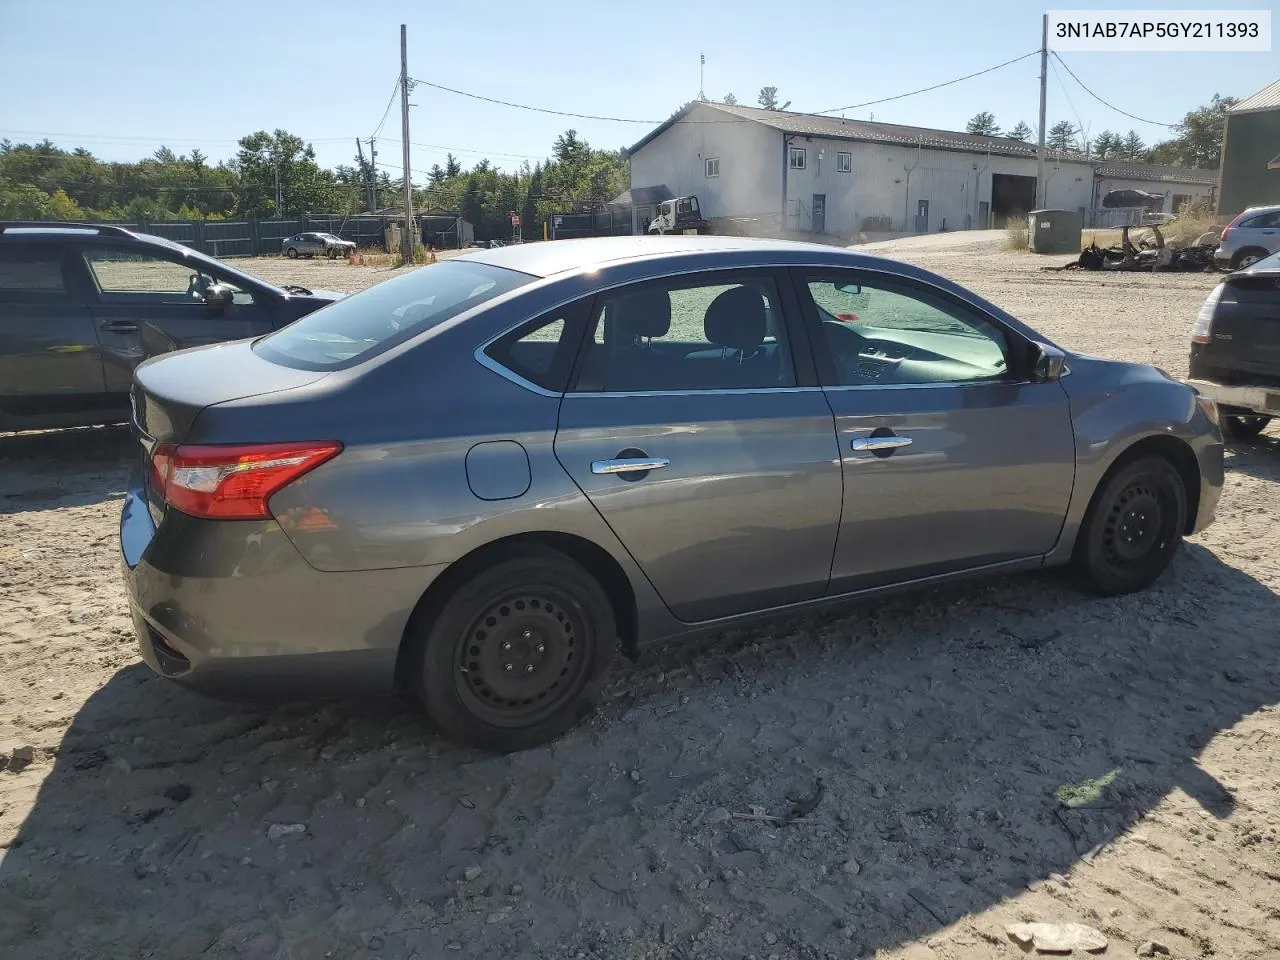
(480, 479)
(315, 244)
(1252, 235)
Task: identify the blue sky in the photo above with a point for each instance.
(124, 78)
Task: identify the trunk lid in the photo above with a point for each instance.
(1245, 339)
(170, 391)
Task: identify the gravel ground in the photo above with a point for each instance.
(140, 820)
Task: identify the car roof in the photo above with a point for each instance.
(543, 259)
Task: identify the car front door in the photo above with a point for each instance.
(687, 427)
(50, 362)
(147, 303)
(954, 457)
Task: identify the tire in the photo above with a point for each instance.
(1247, 257)
(292, 253)
(1133, 526)
(516, 655)
(333, 253)
(1244, 426)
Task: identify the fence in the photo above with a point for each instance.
(253, 238)
(609, 222)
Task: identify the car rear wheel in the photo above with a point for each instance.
(517, 654)
(1133, 527)
(292, 253)
(1244, 426)
(1246, 258)
(333, 253)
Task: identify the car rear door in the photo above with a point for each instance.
(952, 457)
(148, 302)
(50, 362)
(689, 430)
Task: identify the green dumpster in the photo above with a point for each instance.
(1054, 231)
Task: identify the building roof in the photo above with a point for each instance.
(1268, 98)
(838, 128)
(643, 196)
(1122, 170)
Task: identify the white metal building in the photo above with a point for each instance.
(830, 175)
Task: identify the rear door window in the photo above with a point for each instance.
(32, 274)
(361, 326)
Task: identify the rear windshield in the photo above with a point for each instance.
(364, 324)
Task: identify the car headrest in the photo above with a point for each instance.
(736, 319)
(643, 314)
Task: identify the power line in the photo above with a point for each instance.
(1080, 120)
(525, 106)
(387, 112)
(1105, 103)
(936, 86)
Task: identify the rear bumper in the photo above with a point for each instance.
(232, 609)
(1259, 400)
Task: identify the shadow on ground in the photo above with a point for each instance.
(52, 469)
(944, 729)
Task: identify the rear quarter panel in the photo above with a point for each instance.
(1115, 405)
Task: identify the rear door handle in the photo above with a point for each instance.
(119, 326)
(629, 465)
(879, 443)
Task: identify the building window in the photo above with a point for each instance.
(797, 158)
(844, 163)
(713, 166)
(1180, 200)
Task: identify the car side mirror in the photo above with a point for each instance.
(219, 296)
(1049, 364)
(851, 288)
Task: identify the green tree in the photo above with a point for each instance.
(1020, 131)
(983, 124)
(452, 168)
(768, 98)
(303, 185)
(730, 99)
(1061, 135)
(1133, 148)
(1198, 142)
(1107, 145)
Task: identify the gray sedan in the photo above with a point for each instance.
(315, 244)
(482, 479)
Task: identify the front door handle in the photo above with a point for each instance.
(119, 326)
(879, 443)
(629, 465)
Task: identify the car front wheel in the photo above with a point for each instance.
(1244, 426)
(292, 253)
(1133, 527)
(517, 654)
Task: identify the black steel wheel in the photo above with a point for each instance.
(1133, 527)
(516, 655)
(1244, 426)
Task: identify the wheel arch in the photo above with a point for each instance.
(593, 558)
(1173, 449)
(1240, 254)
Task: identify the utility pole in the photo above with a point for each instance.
(406, 242)
(373, 172)
(279, 200)
(1044, 85)
(702, 69)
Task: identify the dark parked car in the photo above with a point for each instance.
(1235, 348)
(82, 304)
(482, 477)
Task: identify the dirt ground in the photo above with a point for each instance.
(946, 730)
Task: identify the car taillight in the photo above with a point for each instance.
(232, 482)
(1227, 229)
(1203, 326)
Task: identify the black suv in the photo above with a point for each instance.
(1235, 348)
(81, 305)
